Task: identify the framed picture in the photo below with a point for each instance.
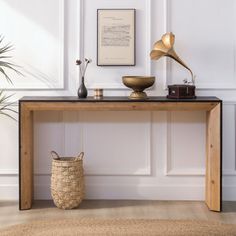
(116, 37)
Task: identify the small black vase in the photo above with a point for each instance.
(82, 91)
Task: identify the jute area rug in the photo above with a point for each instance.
(120, 227)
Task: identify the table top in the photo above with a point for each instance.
(115, 99)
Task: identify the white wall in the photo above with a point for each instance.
(129, 155)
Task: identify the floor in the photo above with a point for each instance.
(10, 215)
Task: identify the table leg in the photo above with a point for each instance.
(214, 159)
(25, 157)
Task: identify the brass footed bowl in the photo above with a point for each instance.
(138, 84)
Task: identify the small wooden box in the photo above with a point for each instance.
(181, 91)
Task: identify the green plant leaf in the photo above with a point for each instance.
(4, 57)
(10, 66)
(5, 64)
(5, 108)
(6, 48)
(5, 105)
(4, 98)
(6, 76)
(5, 114)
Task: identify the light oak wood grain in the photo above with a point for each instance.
(213, 155)
(120, 106)
(26, 160)
(213, 159)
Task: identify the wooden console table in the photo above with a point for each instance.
(212, 105)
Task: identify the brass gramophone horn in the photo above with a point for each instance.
(164, 47)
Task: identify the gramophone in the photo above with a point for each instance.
(164, 47)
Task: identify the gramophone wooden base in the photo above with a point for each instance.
(181, 91)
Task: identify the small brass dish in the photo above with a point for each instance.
(138, 84)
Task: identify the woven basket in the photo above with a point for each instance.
(67, 181)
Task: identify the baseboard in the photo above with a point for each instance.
(229, 193)
(9, 192)
(133, 192)
(141, 192)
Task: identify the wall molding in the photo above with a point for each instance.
(169, 171)
(229, 172)
(147, 192)
(168, 63)
(13, 172)
(133, 192)
(148, 35)
(127, 172)
(183, 172)
(186, 172)
(147, 172)
(61, 62)
(77, 117)
(9, 192)
(229, 192)
(229, 102)
(62, 36)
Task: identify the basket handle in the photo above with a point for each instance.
(80, 156)
(55, 155)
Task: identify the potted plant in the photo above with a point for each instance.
(4, 66)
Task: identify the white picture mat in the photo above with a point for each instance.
(36, 31)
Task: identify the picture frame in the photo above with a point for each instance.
(116, 37)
